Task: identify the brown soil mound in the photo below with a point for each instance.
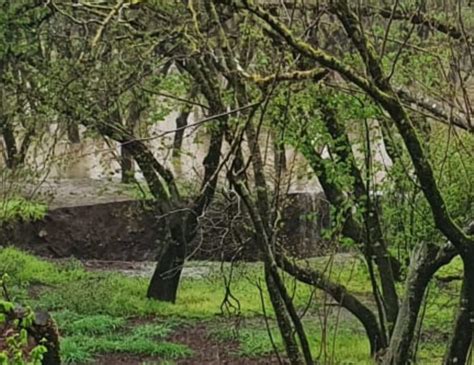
(130, 231)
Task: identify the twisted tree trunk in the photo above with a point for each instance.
(425, 261)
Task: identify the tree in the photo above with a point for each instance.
(21, 118)
(427, 258)
(332, 81)
(101, 112)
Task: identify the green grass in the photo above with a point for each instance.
(81, 349)
(85, 336)
(72, 323)
(70, 286)
(152, 330)
(338, 344)
(103, 312)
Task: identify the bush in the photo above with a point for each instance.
(15, 345)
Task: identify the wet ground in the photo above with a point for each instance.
(193, 269)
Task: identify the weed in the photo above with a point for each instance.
(20, 208)
(88, 325)
(254, 342)
(74, 351)
(82, 348)
(153, 330)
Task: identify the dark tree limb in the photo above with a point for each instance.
(418, 18)
(461, 340)
(343, 297)
(10, 143)
(462, 337)
(352, 229)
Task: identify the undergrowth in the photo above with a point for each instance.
(18, 207)
(88, 337)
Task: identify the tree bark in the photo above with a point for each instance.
(170, 260)
(425, 261)
(126, 166)
(181, 122)
(461, 339)
(73, 133)
(45, 331)
(165, 279)
(283, 320)
(10, 144)
(341, 295)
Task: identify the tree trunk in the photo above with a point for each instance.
(127, 167)
(461, 340)
(283, 320)
(165, 280)
(291, 310)
(181, 122)
(10, 144)
(45, 331)
(424, 263)
(400, 343)
(342, 296)
(73, 133)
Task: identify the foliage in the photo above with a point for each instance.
(15, 348)
(16, 208)
(406, 213)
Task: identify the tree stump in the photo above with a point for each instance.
(43, 331)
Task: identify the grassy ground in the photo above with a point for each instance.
(107, 313)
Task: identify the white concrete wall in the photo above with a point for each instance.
(95, 159)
